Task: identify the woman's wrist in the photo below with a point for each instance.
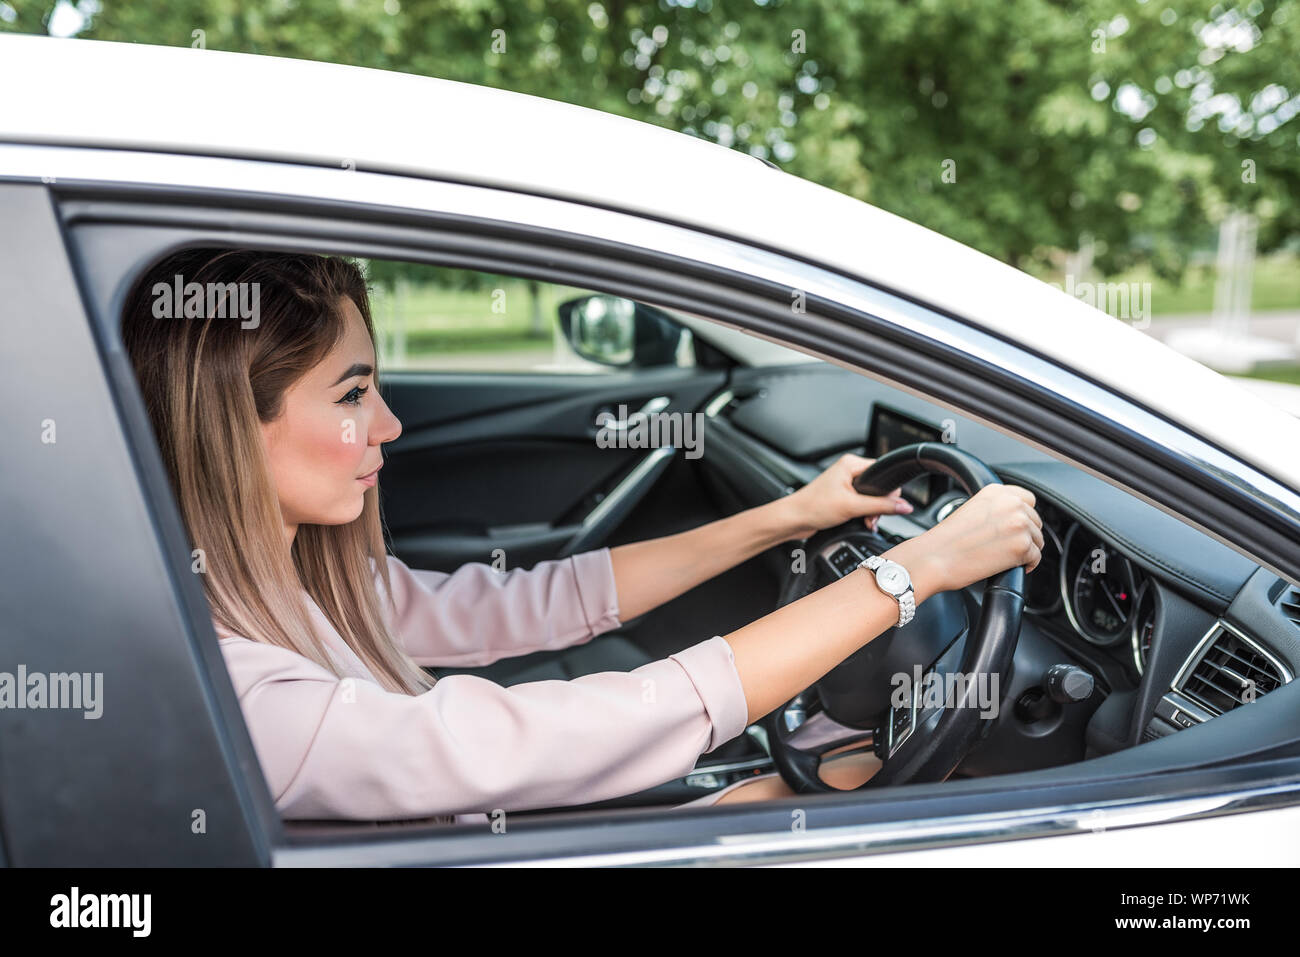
(787, 521)
(785, 518)
(926, 569)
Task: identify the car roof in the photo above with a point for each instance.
(209, 102)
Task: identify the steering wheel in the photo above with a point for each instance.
(854, 703)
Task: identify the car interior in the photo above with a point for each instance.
(1135, 626)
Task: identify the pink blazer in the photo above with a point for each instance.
(346, 748)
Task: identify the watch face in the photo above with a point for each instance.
(893, 578)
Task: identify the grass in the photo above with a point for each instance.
(1279, 373)
(496, 318)
(430, 341)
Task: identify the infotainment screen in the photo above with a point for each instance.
(889, 430)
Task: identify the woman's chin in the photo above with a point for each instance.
(355, 512)
(344, 513)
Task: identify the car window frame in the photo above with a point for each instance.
(171, 217)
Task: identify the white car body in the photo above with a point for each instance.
(155, 114)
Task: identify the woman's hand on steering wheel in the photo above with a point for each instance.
(830, 499)
(995, 529)
(995, 537)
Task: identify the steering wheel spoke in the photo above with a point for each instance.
(803, 733)
(821, 733)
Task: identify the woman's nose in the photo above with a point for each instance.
(387, 426)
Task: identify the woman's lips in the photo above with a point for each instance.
(370, 478)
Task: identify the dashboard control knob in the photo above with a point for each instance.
(1068, 683)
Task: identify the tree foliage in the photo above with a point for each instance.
(1015, 126)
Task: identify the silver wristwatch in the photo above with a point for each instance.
(893, 579)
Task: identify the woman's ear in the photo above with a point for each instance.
(269, 432)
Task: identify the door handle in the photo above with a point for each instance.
(612, 423)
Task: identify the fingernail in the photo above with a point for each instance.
(903, 507)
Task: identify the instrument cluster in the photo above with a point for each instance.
(1084, 585)
(1085, 581)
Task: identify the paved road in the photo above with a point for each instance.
(1282, 326)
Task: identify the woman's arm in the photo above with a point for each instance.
(477, 615)
(332, 748)
(652, 572)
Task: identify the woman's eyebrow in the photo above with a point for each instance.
(356, 369)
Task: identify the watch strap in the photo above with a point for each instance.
(906, 606)
(906, 601)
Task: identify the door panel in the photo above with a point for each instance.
(511, 462)
(96, 584)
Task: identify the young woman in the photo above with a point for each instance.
(272, 430)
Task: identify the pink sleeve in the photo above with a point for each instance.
(347, 748)
(477, 615)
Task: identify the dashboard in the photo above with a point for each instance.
(1083, 583)
(1174, 627)
(1085, 588)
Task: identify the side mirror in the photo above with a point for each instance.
(619, 332)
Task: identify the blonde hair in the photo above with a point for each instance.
(208, 382)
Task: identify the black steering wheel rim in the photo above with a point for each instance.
(934, 747)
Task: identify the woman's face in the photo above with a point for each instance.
(324, 446)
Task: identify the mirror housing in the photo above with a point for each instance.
(615, 331)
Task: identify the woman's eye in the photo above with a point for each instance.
(354, 396)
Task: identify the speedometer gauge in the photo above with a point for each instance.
(1099, 588)
(1144, 626)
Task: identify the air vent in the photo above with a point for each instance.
(1290, 605)
(1232, 671)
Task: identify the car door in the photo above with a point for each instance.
(112, 237)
